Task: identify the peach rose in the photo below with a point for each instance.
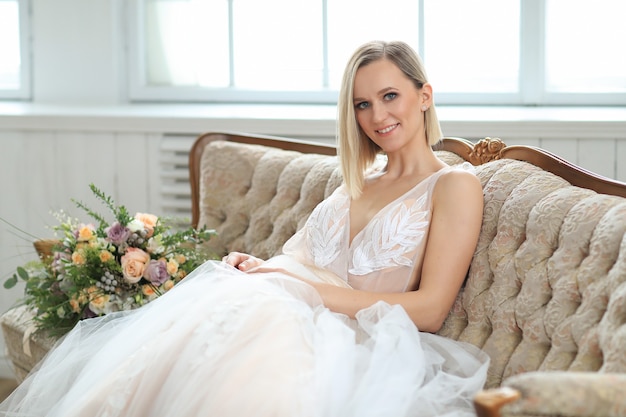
(78, 258)
(149, 221)
(134, 264)
(181, 274)
(105, 256)
(77, 300)
(83, 296)
(85, 233)
(172, 267)
(98, 304)
(168, 285)
(74, 305)
(148, 290)
(180, 258)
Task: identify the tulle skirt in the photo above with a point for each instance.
(224, 343)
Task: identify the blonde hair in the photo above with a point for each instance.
(356, 151)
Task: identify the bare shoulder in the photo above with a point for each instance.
(458, 182)
(458, 195)
(458, 204)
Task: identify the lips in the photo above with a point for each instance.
(387, 129)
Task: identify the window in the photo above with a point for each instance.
(520, 52)
(583, 45)
(14, 56)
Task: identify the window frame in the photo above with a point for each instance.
(24, 91)
(531, 81)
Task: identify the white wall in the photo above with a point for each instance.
(76, 51)
(80, 129)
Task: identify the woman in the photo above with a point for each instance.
(329, 328)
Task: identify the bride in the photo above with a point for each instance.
(341, 324)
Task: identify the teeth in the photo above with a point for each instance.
(387, 129)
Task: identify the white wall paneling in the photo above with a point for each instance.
(566, 149)
(620, 159)
(598, 156)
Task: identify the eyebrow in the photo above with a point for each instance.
(380, 92)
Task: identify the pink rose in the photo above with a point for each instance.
(134, 264)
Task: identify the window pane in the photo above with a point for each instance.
(585, 46)
(354, 22)
(10, 64)
(187, 43)
(476, 48)
(277, 44)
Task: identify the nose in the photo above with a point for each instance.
(379, 113)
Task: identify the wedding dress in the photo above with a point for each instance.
(226, 343)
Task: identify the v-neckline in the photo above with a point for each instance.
(384, 208)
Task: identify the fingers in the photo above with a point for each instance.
(242, 261)
(233, 258)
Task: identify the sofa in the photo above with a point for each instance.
(545, 295)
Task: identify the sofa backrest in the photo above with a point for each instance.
(545, 290)
(257, 196)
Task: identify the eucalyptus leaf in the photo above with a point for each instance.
(10, 282)
(22, 273)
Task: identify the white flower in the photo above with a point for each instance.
(102, 243)
(135, 225)
(155, 245)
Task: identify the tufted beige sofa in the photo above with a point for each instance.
(545, 296)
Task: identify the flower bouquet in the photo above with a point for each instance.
(96, 269)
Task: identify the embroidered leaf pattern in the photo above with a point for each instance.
(325, 240)
(389, 236)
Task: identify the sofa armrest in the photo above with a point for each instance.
(567, 394)
(25, 348)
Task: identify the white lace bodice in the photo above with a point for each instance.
(385, 255)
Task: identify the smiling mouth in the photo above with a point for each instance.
(387, 129)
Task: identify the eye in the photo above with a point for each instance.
(390, 96)
(362, 105)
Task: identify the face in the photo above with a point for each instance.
(388, 105)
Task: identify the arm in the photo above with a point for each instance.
(455, 226)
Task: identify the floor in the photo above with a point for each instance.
(6, 387)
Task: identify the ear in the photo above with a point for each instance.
(427, 95)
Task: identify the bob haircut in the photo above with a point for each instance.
(356, 151)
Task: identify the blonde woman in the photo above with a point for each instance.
(341, 324)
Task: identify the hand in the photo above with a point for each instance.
(242, 261)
